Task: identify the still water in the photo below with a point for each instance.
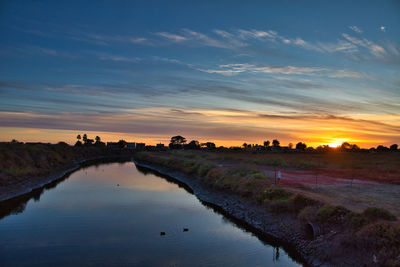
(113, 214)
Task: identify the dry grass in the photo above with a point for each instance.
(363, 213)
(223, 167)
(27, 161)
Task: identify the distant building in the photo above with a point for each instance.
(34, 143)
(258, 147)
(150, 148)
(140, 146)
(160, 146)
(131, 145)
(112, 145)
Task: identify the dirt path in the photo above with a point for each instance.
(355, 194)
(314, 177)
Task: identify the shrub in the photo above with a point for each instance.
(374, 214)
(215, 173)
(258, 175)
(293, 204)
(276, 194)
(204, 168)
(309, 213)
(383, 239)
(332, 214)
(299, 202)
(370, 215)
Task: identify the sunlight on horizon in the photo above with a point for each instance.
(69, 136)
(337, 142)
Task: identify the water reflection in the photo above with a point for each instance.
(113, 215)
(18, 204)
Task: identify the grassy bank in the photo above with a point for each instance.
(19, 162)
(374, 232)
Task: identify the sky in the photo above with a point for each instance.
(320, 72)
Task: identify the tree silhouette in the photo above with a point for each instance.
(381, 148)
(122, 143)
(290, 145)
(394, 147)
(345, 146)
(194, 144)
(275, 143)
(98, 142)
(209, 145)
(267, 143)
(78, 143)
(355, 147)
(301, 146)
(177, 142)
(84, 138)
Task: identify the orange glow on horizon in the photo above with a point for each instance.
(337, 142)
(69, 136)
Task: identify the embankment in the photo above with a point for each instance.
(25, 167)
(321, 235)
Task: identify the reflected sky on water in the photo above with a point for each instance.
(113, 214)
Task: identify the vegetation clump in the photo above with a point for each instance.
(370, 215)
(383, 239)
(294, 204)
(332, 214)
(19, 161)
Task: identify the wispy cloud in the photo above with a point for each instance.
(200, 39)
(172, 37)
(340, 46)
(119, 58)
(206, 40)
(356, 29)
(137, 40)
(257, 34)
(165, 59)
(375, 49)
(232, 69)
(345, 44)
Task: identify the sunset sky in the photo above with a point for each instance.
(322, 72)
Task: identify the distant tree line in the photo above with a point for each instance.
(89, 142)
(179, 142)
(300, 146)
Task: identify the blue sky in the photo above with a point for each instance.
(315, 71)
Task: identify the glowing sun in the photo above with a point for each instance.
(336, 142)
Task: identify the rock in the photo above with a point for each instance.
(185, 229)
(162, 233)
